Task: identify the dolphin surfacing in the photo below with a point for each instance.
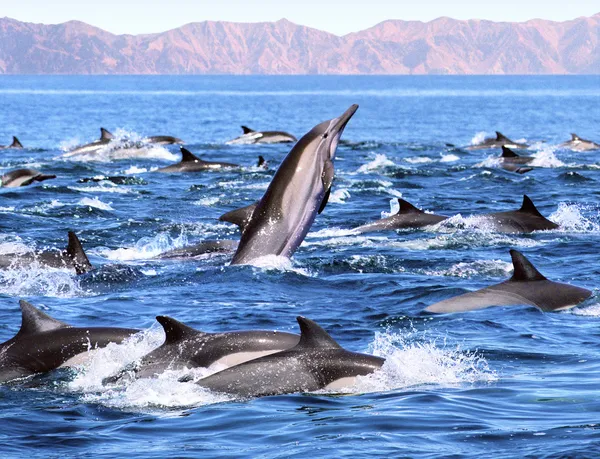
(316, 362)
(524, 220)
(23, 177)
(497, 142)
(186, 347)
(298, 191)
(578, 144)
(408, 216)
(44, 343)
(191, 163)
(527, 286)
(14, 145)
(250, 136)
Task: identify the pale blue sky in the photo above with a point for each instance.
(336, 16)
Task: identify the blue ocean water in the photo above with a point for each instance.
(501, 382)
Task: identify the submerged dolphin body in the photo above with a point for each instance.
(524, 220)
(496, 142)
(316, 362)
(191, 163)
(298, 191)
(23, 177)
(513, 162)
(202, 248)
(15, 144)
(186, 347)
(162, 140)
(72, 257)
(44, 344)
(251, 136)
(578, 144)
(527, 286)
(407, 217)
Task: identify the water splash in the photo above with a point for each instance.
(339, 196)
(147, 247)
(486, 268)
(37, 280)
(479, 138)
(570, 218)
(95, 202)
(379, 162)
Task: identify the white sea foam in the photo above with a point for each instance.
(147, 247)
(448, 158)
(137, 170)
(38, 280)
(207, 202)
(419, 160)
(278, 263)
(494, 268)
(106, 187)
(571, 219)
(330, 232)
(479, 138)
(95, 202)
(379, 162)
(339, 196)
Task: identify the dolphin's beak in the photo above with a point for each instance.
(339, 123)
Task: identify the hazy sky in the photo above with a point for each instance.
(336, 16)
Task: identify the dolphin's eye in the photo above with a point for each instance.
(325, 135)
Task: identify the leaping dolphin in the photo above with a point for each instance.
(251, 136)
(496, 142)
(191, 163)
(72, 257)
(527, 286)
(524, 220)
(15, 144)
(23, 177)
(93, 147)
(298, 191)
(578, 144)
(316, 362)
(407, 217)
(186, 347)
(44, 344)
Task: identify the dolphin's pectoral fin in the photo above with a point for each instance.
(75, 251)
(327, 178)
(29, 181)
(240, 217)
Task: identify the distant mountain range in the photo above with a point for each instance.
(442, 46)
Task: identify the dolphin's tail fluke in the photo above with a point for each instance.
(75, 251)
(15, 143)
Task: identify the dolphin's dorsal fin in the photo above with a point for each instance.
(523, 269)
(15, 143)
(313, 336)
(508, 153)
(240, 217)
(75, 251)
(529, 208)
(407, 208)
(188, 156)
(105, 135)
(176, 331)
(575, 137)
(35, 321)
(261, 161)
(247, 130)
(500, 136)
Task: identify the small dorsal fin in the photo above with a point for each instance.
(407, 208)
(500, 136)
(262, 162)
(247, 130)
(176, 331)
(188, 156)
(75, 251)
(240, 217)
(508, 153)
(35, 321)
(523, 269)
(529, 207)
(15, 143)
(313, 336)
(575, 137)
(105, 135)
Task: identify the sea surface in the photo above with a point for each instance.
(498, 382)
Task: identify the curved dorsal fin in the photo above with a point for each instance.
(500, 136)
(575, 137)
(240, 217)
(529, 207)
(313, 336)
(247, 130)
(15, 143)
(75, 251)
(407, 208)
(508, 153)
(35, 321)
(262, 162)
(105, 135)
(176, 331)
(188, 156)
(523, 269)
